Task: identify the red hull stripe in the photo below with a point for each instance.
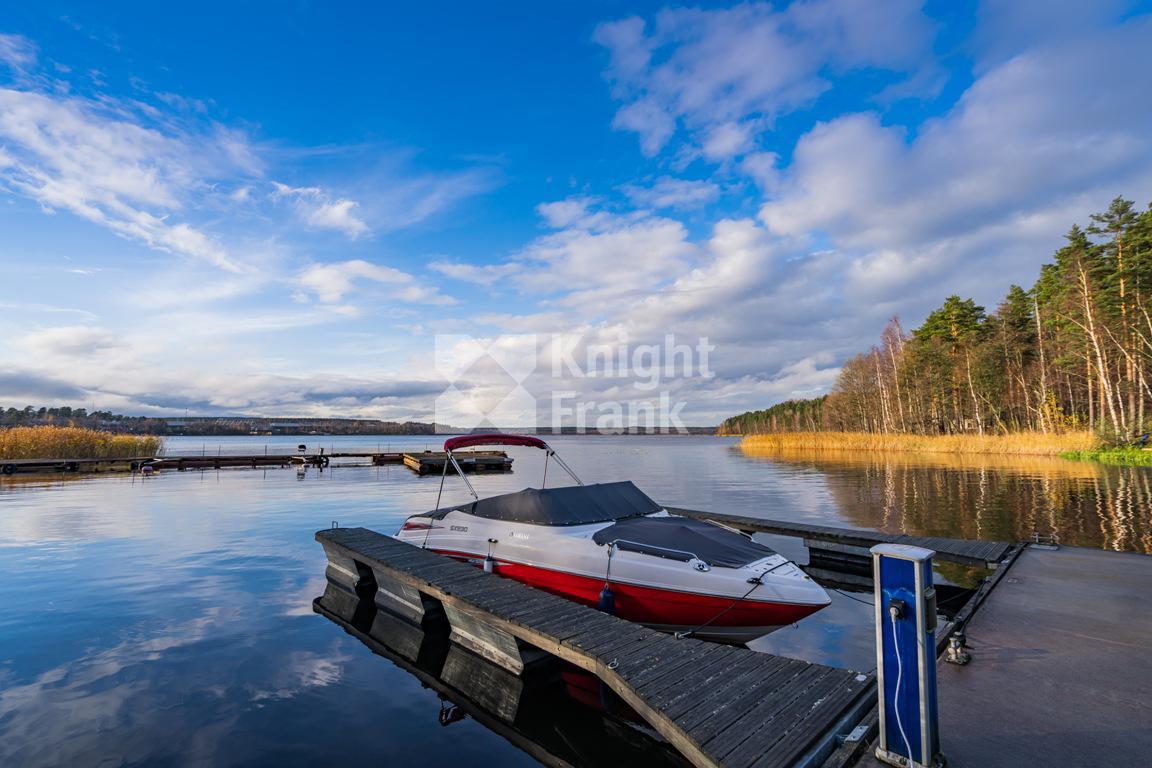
(651, 605)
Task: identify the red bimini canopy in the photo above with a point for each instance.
(467, 441)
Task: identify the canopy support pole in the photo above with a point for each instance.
(567, 468)
(460, 472)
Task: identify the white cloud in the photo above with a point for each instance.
(332, 282)
(725, 75)
(319, 209)
(481, 274)
(668, 192)
(1019, 152)
(72, 341)
(16, 51)
(563, 213)
(598, 256)
(93, 159)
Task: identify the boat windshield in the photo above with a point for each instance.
(572, 505)
(681, 538)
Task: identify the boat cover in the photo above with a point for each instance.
(681, 538)
(572, 505)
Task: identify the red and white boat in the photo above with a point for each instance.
(609, 545)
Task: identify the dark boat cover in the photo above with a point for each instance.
(572, 505)
(681, 538)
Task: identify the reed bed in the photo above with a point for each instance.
(74, 443)
(1018, 444)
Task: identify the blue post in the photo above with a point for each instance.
(906, 656)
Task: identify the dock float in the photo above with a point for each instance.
(719, 706)
(544, 714)
(846, 544)
(432, 462)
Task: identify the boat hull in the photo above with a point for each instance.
(709, 617)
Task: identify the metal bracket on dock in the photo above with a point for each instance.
(957, 652)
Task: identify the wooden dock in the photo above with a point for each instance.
(191, 462)
(848, 543)
(1062, 642)
(422, 463)
(537, 713)
(432, 462)
(717, 705)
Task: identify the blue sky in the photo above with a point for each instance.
(276, 208)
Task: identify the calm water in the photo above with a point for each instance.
(168, 620)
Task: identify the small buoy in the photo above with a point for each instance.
(489, 564)
(607, 601)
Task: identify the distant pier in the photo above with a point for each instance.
(422, 463)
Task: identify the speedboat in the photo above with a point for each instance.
(610, 546)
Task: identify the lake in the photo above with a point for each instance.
(168, 620)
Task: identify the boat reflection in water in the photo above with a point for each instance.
(556, 713)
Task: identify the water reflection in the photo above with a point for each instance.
(169, 620)
(985, 497)
(558, 714)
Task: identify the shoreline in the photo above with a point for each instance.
(1020, 444)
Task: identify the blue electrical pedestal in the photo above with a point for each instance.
(906, 656)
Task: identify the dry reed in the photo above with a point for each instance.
(74, 443)
(1020, 443)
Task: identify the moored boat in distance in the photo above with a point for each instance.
(609, 545)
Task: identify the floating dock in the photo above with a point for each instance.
(187, 462)
(422, 463)
(717, 705)
(557, 715)
(847, 544)
(1058, 637)
(1062, 665)
(432, 462)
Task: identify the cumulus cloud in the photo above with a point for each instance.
(1003, 172)
(597, 256)
(319, 209)
(725, 74)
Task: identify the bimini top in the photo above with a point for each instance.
(572, 505)
(681, 538)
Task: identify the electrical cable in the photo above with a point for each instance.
(892, 611)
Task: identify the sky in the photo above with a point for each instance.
(349, 209)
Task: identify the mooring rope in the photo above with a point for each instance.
(755, 581)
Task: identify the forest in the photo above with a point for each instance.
(1070, 353)
(106, 421)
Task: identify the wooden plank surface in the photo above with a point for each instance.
(717, 705)
(968, 552)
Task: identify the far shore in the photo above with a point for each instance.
(1020, 443)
